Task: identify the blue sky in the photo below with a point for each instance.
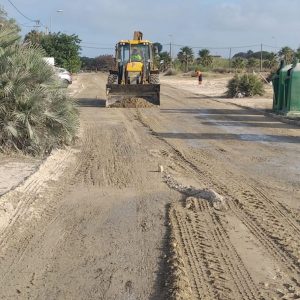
(199, 23)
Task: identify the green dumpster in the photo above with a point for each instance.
(282, 88)
(275, 83)
(292, 101)
(287, 83)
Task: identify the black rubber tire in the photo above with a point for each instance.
(154, 79)
(112, 79)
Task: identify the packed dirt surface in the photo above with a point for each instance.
(199, 199)
(215, 86)
(14, 169)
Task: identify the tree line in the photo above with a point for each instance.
(186, 60)
(63, 47)
(66, 51)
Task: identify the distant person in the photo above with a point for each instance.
(199, 76)
(135, 55)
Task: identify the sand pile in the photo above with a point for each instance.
(132, 103)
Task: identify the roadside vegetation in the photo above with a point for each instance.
(250, 70)
(99, 63)
(36, 115)
(63, 47)
(246, 85)
(241, 62)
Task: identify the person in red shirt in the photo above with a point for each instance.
(199, 75)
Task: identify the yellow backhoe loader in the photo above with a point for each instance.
(135, 74)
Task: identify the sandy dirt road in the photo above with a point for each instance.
(14, 169)
(221, 222)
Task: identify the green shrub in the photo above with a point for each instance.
(36, 114)
(221, 63)
(238, 64)
(246, 85)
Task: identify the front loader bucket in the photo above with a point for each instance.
(119, 92)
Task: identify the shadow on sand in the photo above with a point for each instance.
(91, 102)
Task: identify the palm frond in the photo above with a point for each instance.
(35, 115)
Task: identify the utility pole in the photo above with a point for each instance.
(261, 57)
(170, 35)
(229, 59)
(36, 28)
(37, 24)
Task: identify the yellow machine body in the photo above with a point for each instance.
(134, 67)
(135, 73)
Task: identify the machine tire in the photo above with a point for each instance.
(112, 79)
(154, 79)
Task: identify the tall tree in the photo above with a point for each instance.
(34, 37)
(8, 22)
(238, 64)
(159, 46)
(271, 62)
(185, 56)
(165, 60)
(205, 59)
(87, 63)
(287, 53)
(298, 53)
(251, 54)
(104, 62)
(64, 48)
(252, 64)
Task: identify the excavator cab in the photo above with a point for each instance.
(135, 74)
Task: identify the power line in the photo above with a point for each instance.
(273, 47)
(36, 21)
(101, 48)
(26, 24)
(216, 48)
(30, 26)
(178, 45)
(193, 47)
(93, 43)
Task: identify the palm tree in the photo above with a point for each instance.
(205, 59)
(288, 54)
(252, 64)
(164, 60)
(186, 56)
(8, 23)
(271, 62)
(34, 37)
(35, 115)
(238, 64)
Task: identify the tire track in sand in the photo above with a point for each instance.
(213, 267)
(270, 223)
(25, 206)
